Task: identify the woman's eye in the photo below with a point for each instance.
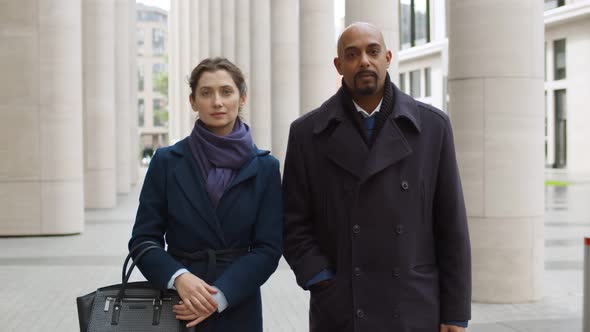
(227, 92)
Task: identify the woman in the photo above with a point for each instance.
(216, 199)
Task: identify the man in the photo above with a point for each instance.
(375, 223)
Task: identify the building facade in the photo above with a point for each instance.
(152, 77)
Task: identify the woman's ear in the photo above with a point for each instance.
(191, 100)
(242, 101)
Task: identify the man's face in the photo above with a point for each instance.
(363, 59)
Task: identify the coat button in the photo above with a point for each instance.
(395, 272)
(360, 313)
(399, 229)
(356, 229)
(357, 272)
(405, 185)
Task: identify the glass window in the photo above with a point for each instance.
(421, 22)
(150, 16)
(402, 82)
(405, 11)
(550, 4)
(140, 38)
(157, 41)
(414, 23)
(427, 80)
(560, 129)
(140, 77)
(160, 113)
(559, 59)
(159, 78)
(545, 63)
(415, 83)
(140, 112)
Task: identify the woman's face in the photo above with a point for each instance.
(217, 100)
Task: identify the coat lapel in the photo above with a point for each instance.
(189, 179)
(347, 149)
(390, 147)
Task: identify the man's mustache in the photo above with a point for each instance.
(365, 72)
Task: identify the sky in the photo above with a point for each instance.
(164, 4)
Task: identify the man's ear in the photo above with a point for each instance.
(337, 65)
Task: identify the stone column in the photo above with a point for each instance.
(285, 72)
(133, 81)
(228, 29)
(122, 94)
(243, 49)
(195, 26)
(187, 115)
(496, 106)
(317, 51)
(215, 28)
(175, 127)
(260, 93)
(100, 176)
(204, 50)
(385, 15)
(41, 142)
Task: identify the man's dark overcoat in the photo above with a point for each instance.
(389, 220)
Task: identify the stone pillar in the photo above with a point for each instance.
(243, 49)
(285, 72)
(100, 176)
(133, 81)
(174, 78)
(215, 28)
(228, 29)
(385, 15)
(496, 106)
(260, 93)
(204, 50)
(187, 115)
(195, 27)
(317, 51)
(41, 142)
(122, 94)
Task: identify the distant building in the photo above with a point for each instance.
(423, 72)
(152, 98)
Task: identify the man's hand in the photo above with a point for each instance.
(184, 313)
(195, 295)
(451, 328)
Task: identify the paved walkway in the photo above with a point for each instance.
(41, 276)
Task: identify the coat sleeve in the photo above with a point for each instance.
(245, 276)
(301, 249)
(151, 225)
(453, 249)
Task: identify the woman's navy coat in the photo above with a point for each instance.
(174, 203)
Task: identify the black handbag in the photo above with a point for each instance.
(130, 306)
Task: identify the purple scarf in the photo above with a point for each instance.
(220, 157)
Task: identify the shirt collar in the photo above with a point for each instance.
(366, 114)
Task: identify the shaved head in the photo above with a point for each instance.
(359, 27)
(362, 61)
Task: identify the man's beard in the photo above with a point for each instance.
(367, 90)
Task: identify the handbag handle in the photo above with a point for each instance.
(126, 277)
(131, 252)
